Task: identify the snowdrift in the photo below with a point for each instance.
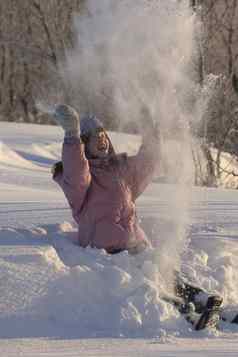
(10, 158)
(54, 288)
(54, 284)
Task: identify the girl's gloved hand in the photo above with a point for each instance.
(68, 118)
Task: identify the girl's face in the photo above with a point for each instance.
(98, 144)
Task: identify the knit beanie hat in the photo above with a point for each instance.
(90, 124)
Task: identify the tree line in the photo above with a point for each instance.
(35, 36)
(217, 54)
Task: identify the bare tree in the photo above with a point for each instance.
(217, 54)
(220, 20)
(34, 36)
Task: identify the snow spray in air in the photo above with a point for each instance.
(132, 55)
(45, 108)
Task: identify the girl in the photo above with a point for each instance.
(100, 186)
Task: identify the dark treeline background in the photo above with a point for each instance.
(34, 36)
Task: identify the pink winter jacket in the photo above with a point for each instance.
(102, 194)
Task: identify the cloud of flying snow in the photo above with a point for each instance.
(133, 57)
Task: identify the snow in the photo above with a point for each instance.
(59, 299)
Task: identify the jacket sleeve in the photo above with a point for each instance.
(142, 166)
(76, 178)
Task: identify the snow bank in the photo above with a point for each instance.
(50, 284)
(87, 293)
(83, 289)
(10, 158)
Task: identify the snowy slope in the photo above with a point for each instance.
(50, 288)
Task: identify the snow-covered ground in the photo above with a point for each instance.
(59, 299)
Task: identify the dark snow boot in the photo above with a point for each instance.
(200, 308)
(211, 315)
